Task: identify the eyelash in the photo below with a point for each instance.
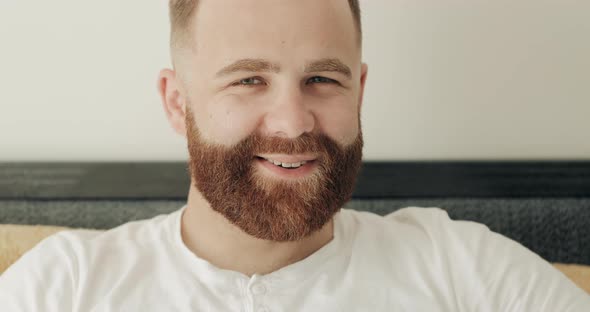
(240, 84)
(328, 79)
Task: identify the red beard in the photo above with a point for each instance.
(268, 208)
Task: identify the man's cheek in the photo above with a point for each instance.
(232, 127)
(341, 127)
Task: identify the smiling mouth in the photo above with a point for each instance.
(285, 165)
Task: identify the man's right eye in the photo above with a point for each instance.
(252, 81)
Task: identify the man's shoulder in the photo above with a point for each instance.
(138, 233)
(425, 218)
(425, 226)
(411, 229)
(70, 252)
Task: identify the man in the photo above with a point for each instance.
(268, 94)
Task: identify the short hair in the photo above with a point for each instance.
(182, 11)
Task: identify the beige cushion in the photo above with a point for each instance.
(580, 274)
(17, 239)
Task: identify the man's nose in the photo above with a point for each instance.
(289, 116)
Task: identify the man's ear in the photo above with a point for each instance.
(364, 73)
(173, 100)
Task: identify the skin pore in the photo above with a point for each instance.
(273, 69)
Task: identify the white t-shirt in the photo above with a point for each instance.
(415, 259)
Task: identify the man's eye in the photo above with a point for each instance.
(319, 79)
(252, 81)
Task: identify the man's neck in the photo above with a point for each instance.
(210, 236)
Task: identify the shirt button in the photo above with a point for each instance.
(258, 289)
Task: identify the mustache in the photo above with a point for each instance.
(316, 143)
(307, 143)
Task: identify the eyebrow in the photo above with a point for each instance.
(329, 65)
(248, 65)
(260, 65)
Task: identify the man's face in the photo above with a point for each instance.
(271, 81)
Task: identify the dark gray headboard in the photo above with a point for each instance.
(543, 205)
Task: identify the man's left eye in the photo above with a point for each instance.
(319, 79)
(252, 81)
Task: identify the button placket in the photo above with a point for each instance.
(258, 289)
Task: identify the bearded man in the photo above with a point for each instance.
(268, 94)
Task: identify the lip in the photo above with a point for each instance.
(279, 172)
(289, 159)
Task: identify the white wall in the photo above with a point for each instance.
(454, 79)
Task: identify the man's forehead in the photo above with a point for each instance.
(297, 32)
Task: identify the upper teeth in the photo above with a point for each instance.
(287, 165)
